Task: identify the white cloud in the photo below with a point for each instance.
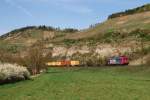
(13, 3)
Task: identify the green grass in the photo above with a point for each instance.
(115, 83)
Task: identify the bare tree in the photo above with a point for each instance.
(35, 58)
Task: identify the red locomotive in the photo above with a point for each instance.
(118, 60)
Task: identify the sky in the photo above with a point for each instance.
(59, 13)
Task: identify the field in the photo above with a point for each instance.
(114, 83)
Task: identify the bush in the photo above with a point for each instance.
(69, 41)
(70, 30)
(12, 73)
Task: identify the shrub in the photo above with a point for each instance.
(70, 30)
(69, 41)
(12, 72)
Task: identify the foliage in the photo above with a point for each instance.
(69, 41)
(143, 8)
(12, 73)
(110, 37)
(142, 34)
(48, 28)
(12, 48)
(70, 30)
(113, 36)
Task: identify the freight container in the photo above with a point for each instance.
(53, 63)
(65, 63)
(58, 63)
(49, 63)
(75, 63)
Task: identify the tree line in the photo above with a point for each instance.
(143, 8)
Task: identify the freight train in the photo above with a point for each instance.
(116, 60)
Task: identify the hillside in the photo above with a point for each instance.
(123, 24)
(128, 33)
(27, 36)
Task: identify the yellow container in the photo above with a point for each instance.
(75, 63)
(58, 63)
(54, 63)
(49, 63)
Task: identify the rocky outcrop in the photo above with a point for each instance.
(103, 50)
